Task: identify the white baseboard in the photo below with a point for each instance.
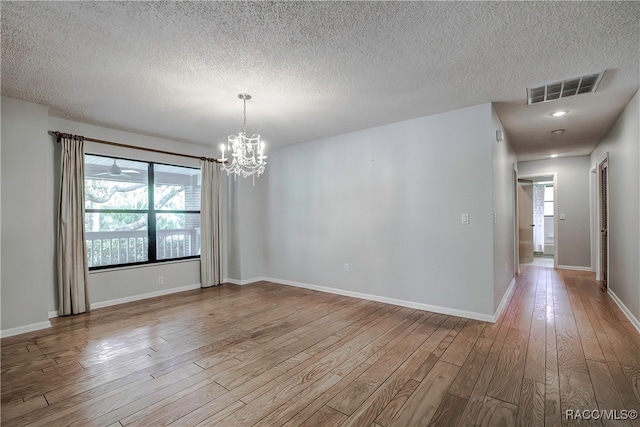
(54, 314)
(245, 281)
(24, 329)
(635, 322)
(393, 301)
(144, 296)
(505, 300)
(573, 267)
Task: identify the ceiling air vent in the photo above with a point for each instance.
(564, 88)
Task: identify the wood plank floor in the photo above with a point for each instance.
(268, 354)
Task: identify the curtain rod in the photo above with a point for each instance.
(60, 135)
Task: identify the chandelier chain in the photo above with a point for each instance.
(244, 101)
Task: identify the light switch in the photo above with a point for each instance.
(561, 216)
(465, 218)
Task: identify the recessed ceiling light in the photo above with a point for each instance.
(553, 155)
(559, 113)
(558, 131)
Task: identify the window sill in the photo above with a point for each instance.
(154, 264)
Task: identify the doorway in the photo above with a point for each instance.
(537, 220)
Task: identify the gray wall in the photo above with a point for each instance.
(388, 201)
(28, 231)
(504, 159)
(30, 179)
(246, 226)
(230, 228)
(622, 142)
(252, 214)
(573, 243)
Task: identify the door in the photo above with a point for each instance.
(525, 220)
(603, 175)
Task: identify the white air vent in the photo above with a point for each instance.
(564, 88)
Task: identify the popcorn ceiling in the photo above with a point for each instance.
(314, 69)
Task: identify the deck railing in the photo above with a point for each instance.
(124, 247)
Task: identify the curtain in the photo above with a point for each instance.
(210, 274)
(538, 218)
(73, 270)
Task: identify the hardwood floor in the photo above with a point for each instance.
(268, 354)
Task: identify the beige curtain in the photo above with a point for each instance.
(73, 268)
(210, 274)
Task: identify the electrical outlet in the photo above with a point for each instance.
(346, 266)
(160, 280)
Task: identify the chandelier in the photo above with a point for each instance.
(247, 153)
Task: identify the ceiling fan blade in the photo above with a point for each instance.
(129, 171)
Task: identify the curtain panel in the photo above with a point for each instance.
(73, 270)
(210, 254)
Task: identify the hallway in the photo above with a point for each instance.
(577, 336)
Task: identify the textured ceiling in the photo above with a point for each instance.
(316, 69)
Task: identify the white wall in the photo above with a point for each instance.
(31, 158)
(573, 240)
(504, 159)
(622, 142)
(27, 215)
(388, 201)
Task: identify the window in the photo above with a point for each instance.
(140, 212)
(548, 200)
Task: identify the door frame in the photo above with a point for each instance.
(597, 208)
(516, 222)
(556, 216)
(594, 219)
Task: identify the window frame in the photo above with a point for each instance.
(552, 201)
(151, 213)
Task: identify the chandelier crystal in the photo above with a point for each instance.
(247, 153)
